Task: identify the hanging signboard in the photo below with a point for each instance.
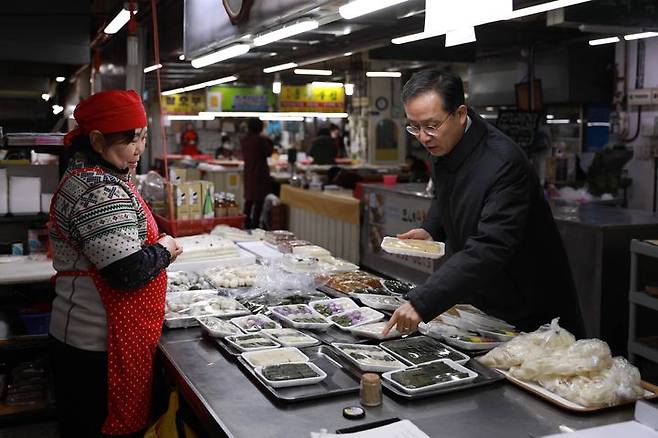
(184, 103)
(227, 98)
(307, 98)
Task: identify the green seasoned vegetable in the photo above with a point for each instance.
(323, 309)
(309, 319)
(398, 287)
(420, 350)
(289, 371)
(426, 375)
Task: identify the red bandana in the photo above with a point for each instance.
(108, 112)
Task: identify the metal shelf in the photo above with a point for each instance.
(642, 349)
(644, 248)
(644, 299)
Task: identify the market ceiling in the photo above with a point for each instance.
(40, 40)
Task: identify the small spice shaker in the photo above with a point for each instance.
(371, 390)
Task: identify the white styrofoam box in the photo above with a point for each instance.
(24, 194)
(4, 192)
(46, 198)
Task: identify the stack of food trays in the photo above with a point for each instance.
(182, 308)
(466, 327)
(277, 237)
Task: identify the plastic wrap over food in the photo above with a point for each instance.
(614, 385)
(528, 346)
(583, 356)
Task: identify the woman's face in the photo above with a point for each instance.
(125, 154)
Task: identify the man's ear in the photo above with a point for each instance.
(97, 141)
(463, 112)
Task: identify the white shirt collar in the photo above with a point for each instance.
(468, 123)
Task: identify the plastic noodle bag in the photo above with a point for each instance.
(619, 383)
(528, 346)
(583, 356)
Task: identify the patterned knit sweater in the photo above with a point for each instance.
(101, 224)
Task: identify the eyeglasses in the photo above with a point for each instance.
(430, 130)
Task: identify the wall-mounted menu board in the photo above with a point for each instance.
(520, 126)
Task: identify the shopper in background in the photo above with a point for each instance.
(417, 168)
(323, 148)
(111, 280)
(505, 254)
(225, 150)
(189, 140)
(256, 148)
(339, 144)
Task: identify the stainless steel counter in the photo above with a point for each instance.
(229, 404)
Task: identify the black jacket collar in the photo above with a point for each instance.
(466, 145)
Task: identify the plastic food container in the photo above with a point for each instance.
(465, 376)
(252, 342)
(333, 306)
(413, 247)
(369, 358)
(353, 318)
(300, 316)
(390, 180)
(319, 376)
(289, 337)
(255, 323)
(276, 356)
(218, 328)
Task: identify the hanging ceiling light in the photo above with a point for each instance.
(153, 67)
(220, 55)
(383, 74)
(119, 21)
(312, 72)
(286, 32)
(358, 8)
(279, 67)
(200, 85)
(602, 41)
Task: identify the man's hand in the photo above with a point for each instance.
(416, 233)
(406, 318)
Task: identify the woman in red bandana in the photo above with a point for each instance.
(111, 281)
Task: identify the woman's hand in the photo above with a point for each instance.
(416, 233)
(172, 246)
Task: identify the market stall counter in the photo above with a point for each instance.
(329, 220)
(228, 403)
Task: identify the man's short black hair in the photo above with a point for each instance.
(254, 126)
(446, 84)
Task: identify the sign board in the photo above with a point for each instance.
(307, 98)
(184, 103)
(228, 98)
(520, 126)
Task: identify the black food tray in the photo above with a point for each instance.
(486, 376)
(339, 381)
(333, 293)
(334, 334)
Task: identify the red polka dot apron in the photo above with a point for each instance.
(134, 325)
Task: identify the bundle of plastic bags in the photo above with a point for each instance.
(581, 371)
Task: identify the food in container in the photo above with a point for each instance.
(276, 237)
(352, 318)
(413, 247)
(299, 265)
(291, 374)
(182, 307)
(300, 316)
(287, 246)
(252, 342)
(421, 349)
(369, 357)
(380, 302)
(274, 357)
(429, 376)
(233, 277)
(218, 327)
(374, 330)
(254, 323)
(333, 306)
(398, 287)
(289, 337)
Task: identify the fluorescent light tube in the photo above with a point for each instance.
(460, 36)
(200, 85)
(358, 8)
(349, 89)
(558, 121)
(327, 84)
(638, 36)
(285, 32)
(45, 96)
(60, 79)
(310, 71)
(276, 87)
(220, 55)
(383, 74)
(604, 41)
(279, 67)
(152, 68)
(57, 109)
(282, 118)
(190, 117)
(267, 114)
(118, 22)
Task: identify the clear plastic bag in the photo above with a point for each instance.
(582, 357)
(542, 341)
(619, 383)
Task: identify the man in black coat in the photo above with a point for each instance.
(504, 252)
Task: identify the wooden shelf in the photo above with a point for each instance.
(27, 413)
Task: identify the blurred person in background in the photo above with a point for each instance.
(323, 148)
(256, 148)
(189, 140)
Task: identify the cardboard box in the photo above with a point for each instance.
(178, 174)
(207, 199)
(181, 207)
(195, 198)
(228, 181)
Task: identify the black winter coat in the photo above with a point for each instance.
(504, 252)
